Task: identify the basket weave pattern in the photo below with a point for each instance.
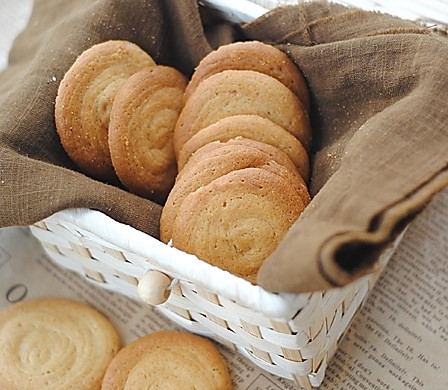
(297, 348)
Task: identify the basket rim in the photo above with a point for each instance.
(432, 12)
(181, 265)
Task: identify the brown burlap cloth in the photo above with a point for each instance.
(380, 115)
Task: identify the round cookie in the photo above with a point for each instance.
(168, 360)
(237, 92)
(142, 120)
(215, 154)
(252, 55)
(219, 158)
(282, 165)
(274, 156)
(85, 98)
(237, 220)
(249, 126)
(51, 343)
(210, 162)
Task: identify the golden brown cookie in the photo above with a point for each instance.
(282, 165)
(217, 157)
(275, 157)
(142, 120)
(252, 55)
(168, 360)
(237, 220)
(241, 92)
(249, 126)
(50, 343)
(208, 163)
(85, 98)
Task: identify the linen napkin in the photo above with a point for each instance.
(379, 120)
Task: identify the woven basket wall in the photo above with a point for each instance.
(295, 342)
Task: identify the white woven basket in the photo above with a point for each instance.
(290, 335)
(428, 11)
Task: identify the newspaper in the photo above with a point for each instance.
(399, 339)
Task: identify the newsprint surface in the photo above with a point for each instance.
(399, 340)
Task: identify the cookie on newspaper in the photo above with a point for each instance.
(168, 360)
(252, 55)
(236, 92)
(253, 127)
(142, 120)
(85, 98)
(237, 220)
(50, 343)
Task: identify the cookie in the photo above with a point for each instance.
(51, 343)
(252, 55)
(237, 220)
(280, 164)
(249, 126)
(85, 98)
(239, 92)
(274, 156)
(142, 120)
(168, 360)
(210, 162)
(216, 159)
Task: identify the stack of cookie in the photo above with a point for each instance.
(115, 113)
(226, 153)
(242, 143)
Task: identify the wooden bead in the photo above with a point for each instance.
(152, 287)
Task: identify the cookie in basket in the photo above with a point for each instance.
(168, 360)
(253, 127)
(216, 159)
(85, 98)
(52, 343)
(252, 55)
(237, 92)
(275, 160)
(142, 120)
(237, 220)
(209, 163)
(240, 143)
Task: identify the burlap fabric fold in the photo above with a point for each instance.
(379, 119)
